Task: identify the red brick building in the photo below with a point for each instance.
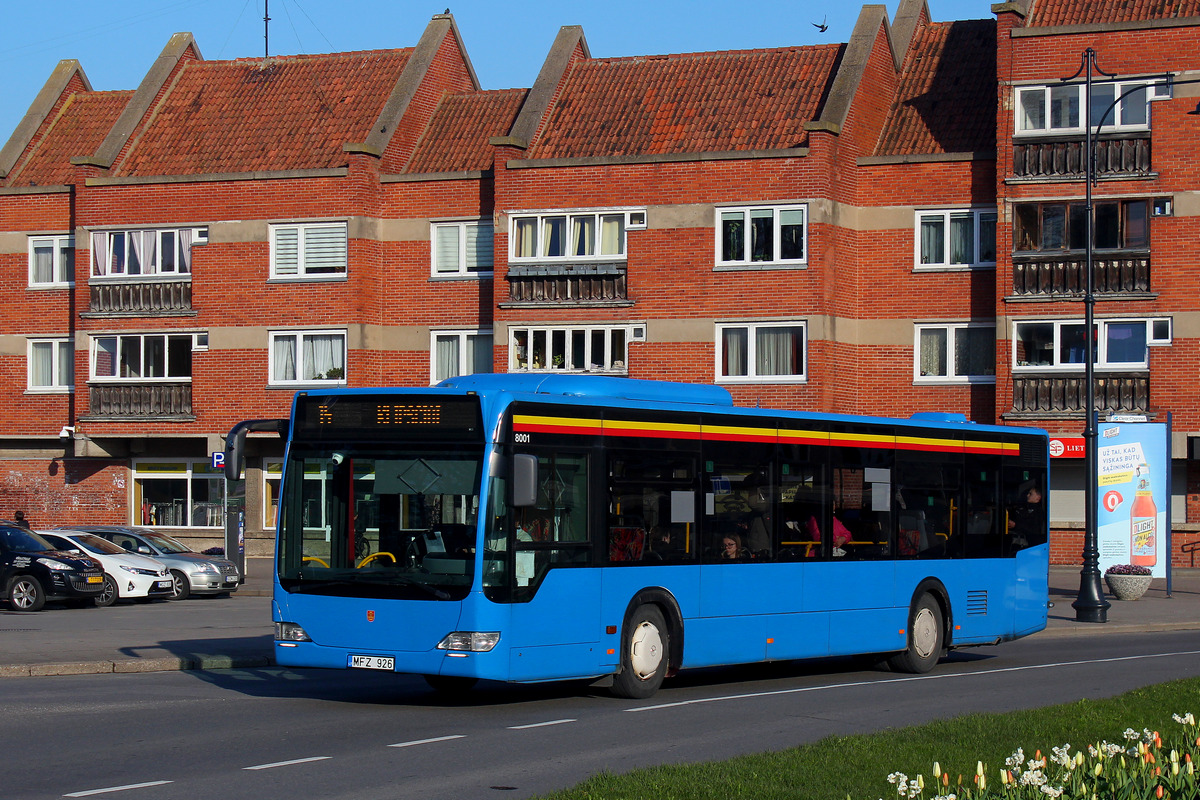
(841, 228)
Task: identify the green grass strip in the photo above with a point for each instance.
(838, 767)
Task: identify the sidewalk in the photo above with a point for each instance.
(237, 632)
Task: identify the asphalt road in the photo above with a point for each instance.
(272, 733)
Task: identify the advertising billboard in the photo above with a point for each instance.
(1133, 466)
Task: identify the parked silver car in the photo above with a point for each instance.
(191, 572)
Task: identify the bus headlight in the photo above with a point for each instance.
(290, 632)
(471, 641)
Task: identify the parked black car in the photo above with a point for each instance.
(32, 571)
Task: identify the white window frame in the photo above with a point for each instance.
(951, 330)
(1115, 122)
(568, 216)
(528, 345)
(751, 355)
(298, 337)
(272, 478)
(122, 342)
(185, 469)
(463, 338)
(1101, 347)
(747, 260)
(307, 267)
(62, 261)
(946, 216)
(140, 243)
(62, 355)
(462, 268)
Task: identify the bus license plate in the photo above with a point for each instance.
(373, 662)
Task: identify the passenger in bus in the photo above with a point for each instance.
(1027, 519)
(661, 546)
(841, 537)
(758, 527)
(531, 526)
(732, 548)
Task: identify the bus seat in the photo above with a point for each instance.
(626, 543)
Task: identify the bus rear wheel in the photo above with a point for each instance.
(643, 655)
(926, 637)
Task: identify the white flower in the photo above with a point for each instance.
(1061, 756)
(1033, 777)
(1016, 759)
(1131, 735)
(897, 777)
(1185, 719)
(1051, 791)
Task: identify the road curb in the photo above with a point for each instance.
(198, 664)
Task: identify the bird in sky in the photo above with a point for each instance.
(821, 26)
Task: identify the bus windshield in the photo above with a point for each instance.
(366, 520)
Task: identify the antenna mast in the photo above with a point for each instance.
(266, 29)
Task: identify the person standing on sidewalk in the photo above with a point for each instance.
(19, 518)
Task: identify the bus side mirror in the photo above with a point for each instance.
(524, 480)
(235, 443)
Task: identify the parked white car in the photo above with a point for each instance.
(127, 576)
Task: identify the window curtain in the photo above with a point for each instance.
(323, 353)
(325, 248)
(553, 235)
(43, 261)
(479, 248)
(525, 234)
(446, 249)
(139, 251)
(287, 251)
(974, 352)
(612, 234)
(583, 236)
(933, 238)
(41, 365)
(933, 352)
(446, 358)
(479, 352)
(734, 345)
(99, 253)
(962, 238)
(284, 353)
(185, 250)
(66, 363)
(778, 351)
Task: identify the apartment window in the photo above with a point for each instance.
(762, 235)
(178, 494)
(569, 349)
(51, 365)
(1062, 344)
(955, 353)
(1059, 108)
(455, 353)
(272, 473)
(308, 251)
(462, 249)
(1057, 227)
(143, 357)
(760, 352)
(567, 236)
(51, 261)
(142, 252)
(307, 357)
(956, 238)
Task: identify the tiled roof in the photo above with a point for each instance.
(946, 100)
(1046, 13)
(692, 103)
(81, 125)
(456, 139)
(295, 112)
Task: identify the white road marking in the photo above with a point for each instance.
(427, 741)
(853, 684)
(289, 763)
(90, 792)
(540, 724)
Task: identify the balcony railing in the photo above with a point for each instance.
(1052, 394)
(568, 284)
(1067, 273)
(141, 296)
(1126, 156)
(140, 401)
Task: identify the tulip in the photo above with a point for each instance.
(1098, 770)
(921, 782)
(978, 767)
(937, 770)
(1159, 791)
(946, 779)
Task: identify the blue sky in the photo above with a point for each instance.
(116, 41)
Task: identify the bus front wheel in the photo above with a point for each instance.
(926, 635)
(643, 655)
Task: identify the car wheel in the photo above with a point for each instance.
(643, 655)
(109, 595)
(925, 638)
(181, 587)
(25, 593)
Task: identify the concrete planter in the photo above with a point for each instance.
(1127, 587)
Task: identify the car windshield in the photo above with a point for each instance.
(165, 543)
(21, 541)
(95, 544)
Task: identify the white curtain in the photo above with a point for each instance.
(962, 238)
(583, 236)
(777, 351)
(446, 249)
(322, 353)
(933, 233)
(446, 358)
(287, 251)
(479, 352)
(99, 253)
(612, 234)
(43, 261)
(553, 231)
(185, 249)
(933, 352)
(41, 364)
(284, 352)
(525, 235)
(325, 248)
(734, 343)
(479, 247)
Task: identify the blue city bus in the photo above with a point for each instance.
(530, 528)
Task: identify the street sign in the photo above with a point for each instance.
(218, 460)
